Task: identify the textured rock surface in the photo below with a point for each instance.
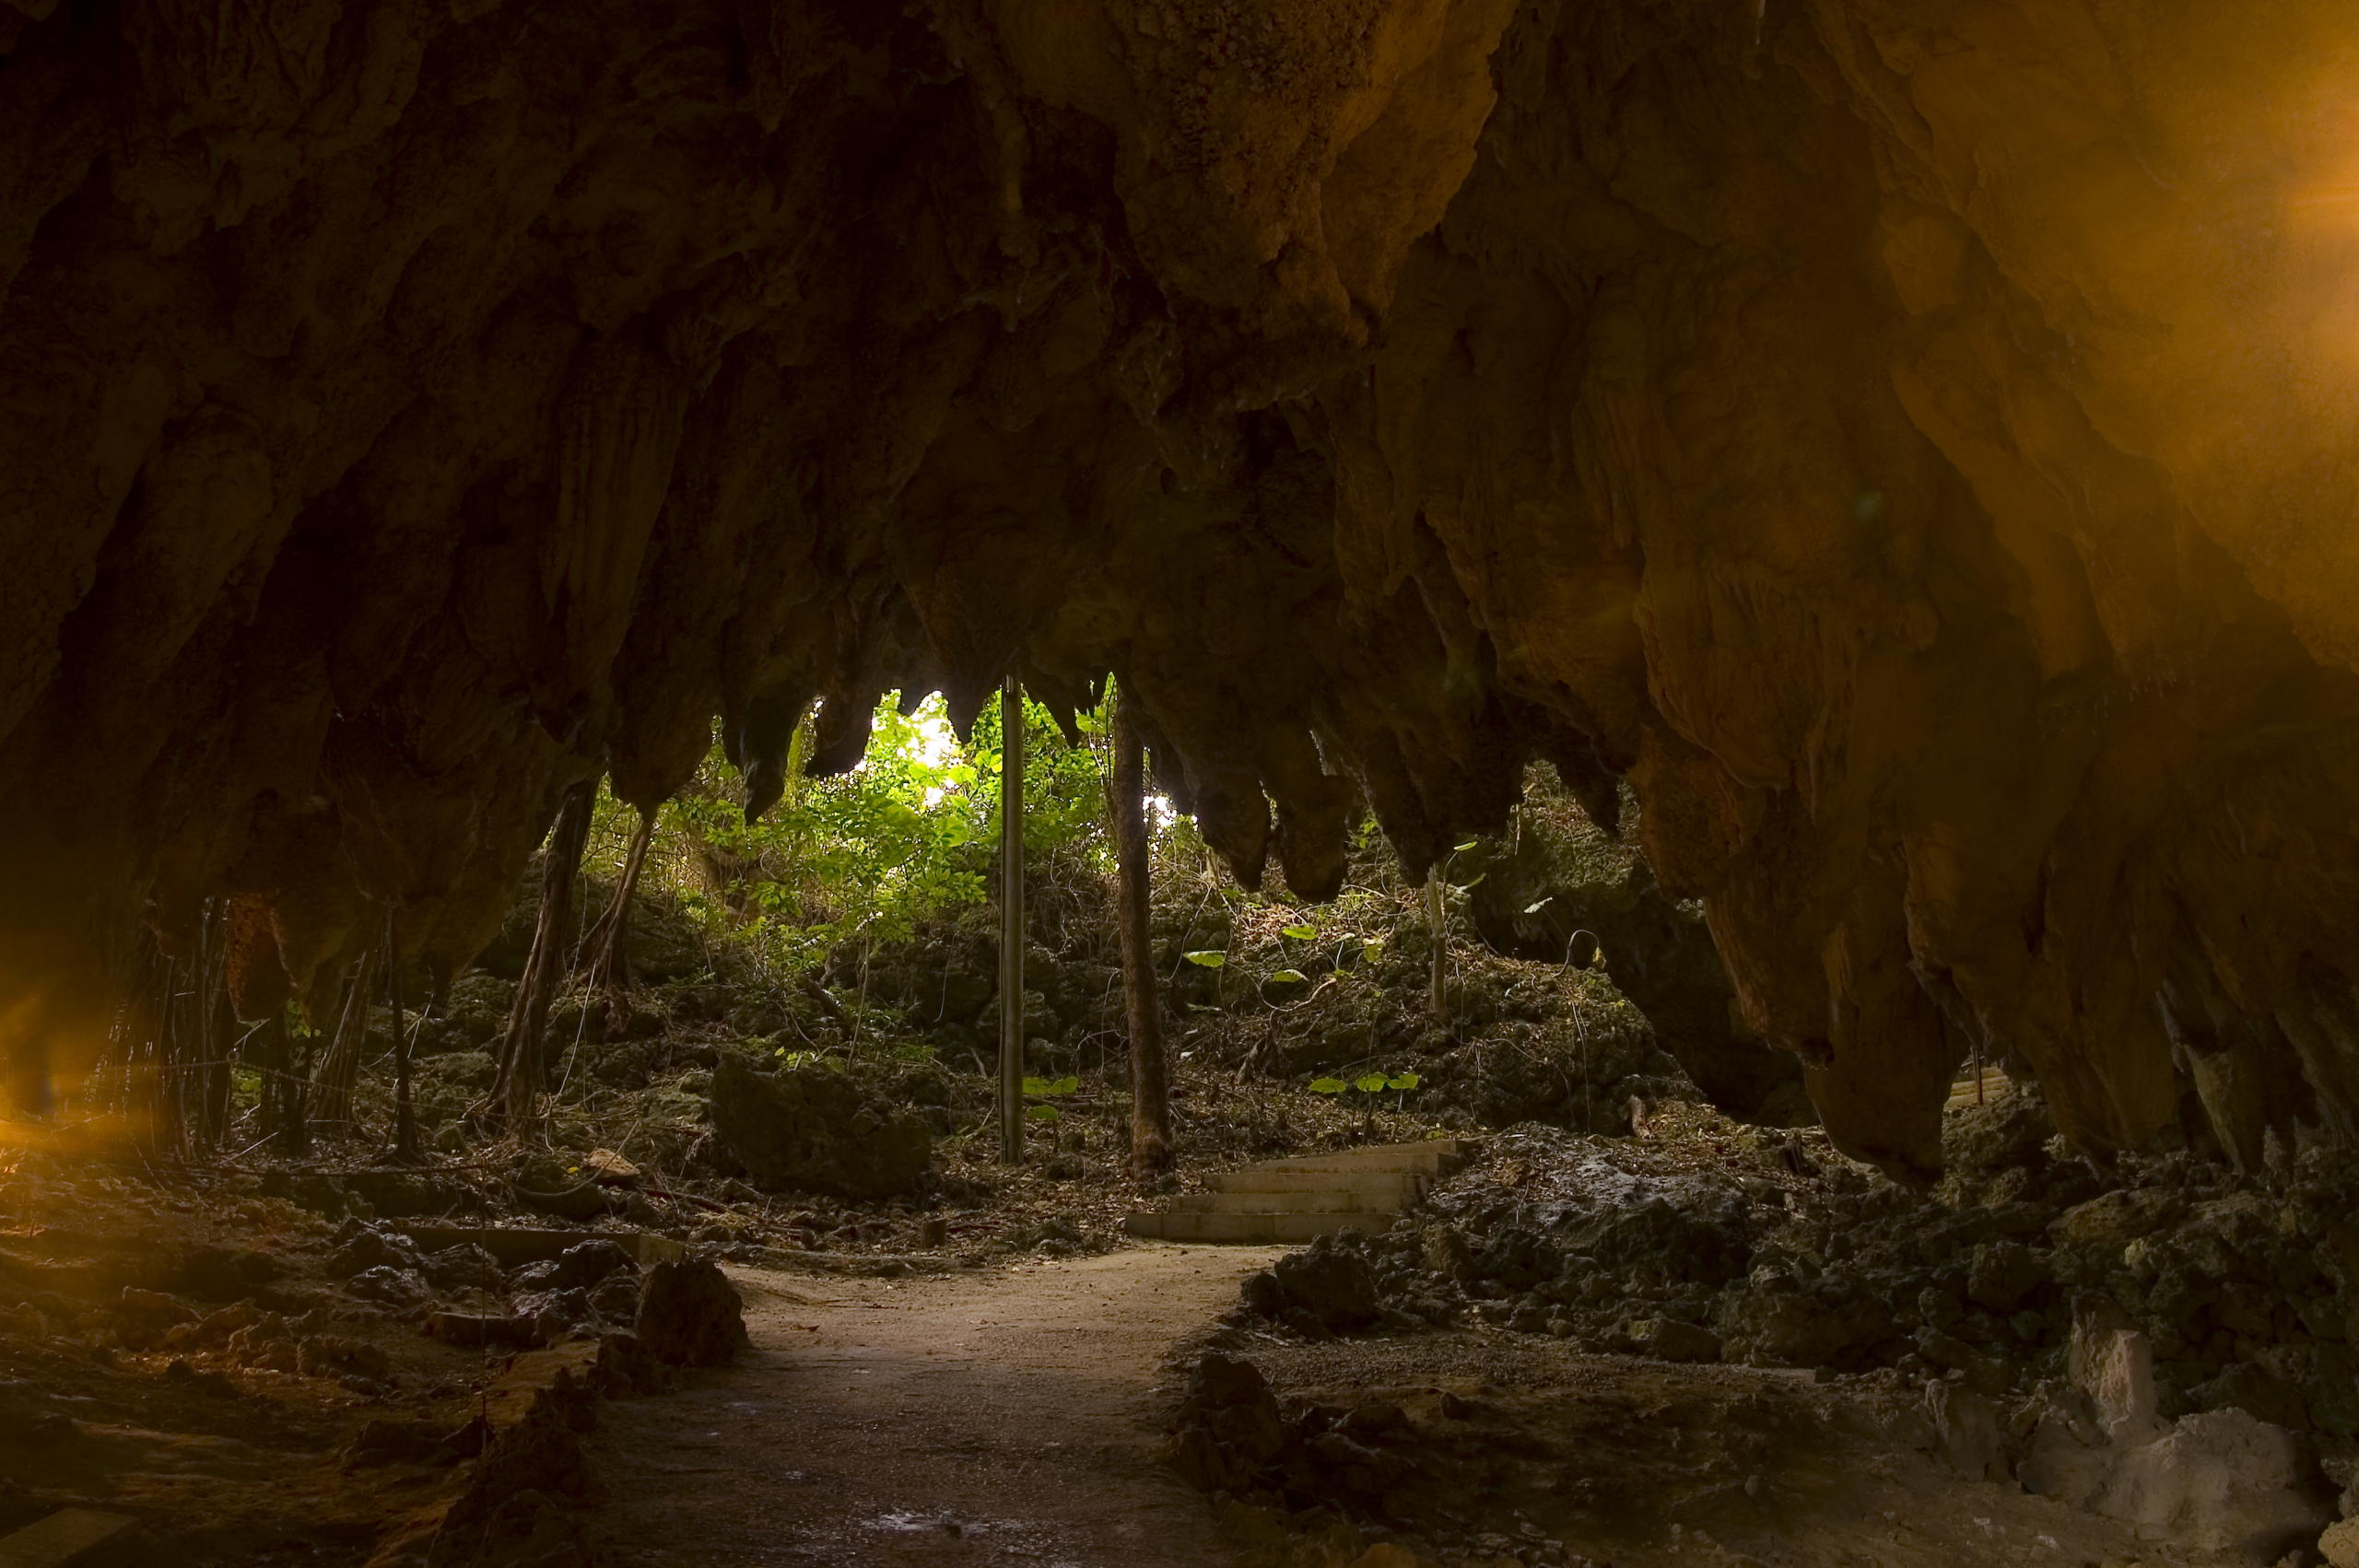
(1916, 446)
(815, 1130)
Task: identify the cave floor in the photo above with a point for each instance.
(1003, 1417)
(1018, 1417)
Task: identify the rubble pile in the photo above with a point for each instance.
(2121, 1336)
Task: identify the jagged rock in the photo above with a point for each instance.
(463, 1267)
(1965, 1428)
(1561, 893)
(1331, 1287)
(369, 1248)
(586, 1264)
(2005, 1275)
(814, 1129)
(2340, 1544)
(689, 1315)
(2008, 1132)
(400, 1289)
(144, 1317)
(1666, 1338)
(560, 1188)
(2220, 1480)
(2111, 1220)
(1230, 1429)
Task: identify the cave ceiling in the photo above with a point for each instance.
(1913, 444)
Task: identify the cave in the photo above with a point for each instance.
(1893, 448)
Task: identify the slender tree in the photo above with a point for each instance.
(1150, 1076)
(406, 1149)
(516, 1098)
(339, 1068)
(609, 939)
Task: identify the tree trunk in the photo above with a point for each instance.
(280, 1111)
(517, 1095)
(209, 1004)
(406, 1149)
(340, 1063)
(609, 939)
(1150, 1082)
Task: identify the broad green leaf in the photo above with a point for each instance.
(1210, 959)
(1299, 933)
(1290, 977)
(1065, 1086)
(1461, 849)
(1328, 1086)
(1402, 1081)
(1043, 1113)
(1372, 1083)
(1038, 1086)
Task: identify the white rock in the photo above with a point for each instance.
(2114, 1367)
(2218, 1481)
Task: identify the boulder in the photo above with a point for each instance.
(1230, 1430)
(583, 1267)
(814, 1129)
(2111, 1220)
(1666, 1338)
(2219, 1482)
(689, 1315)
(2011, 1131)
(1965, 1431)
(2005, 1275)
(1334, 1286)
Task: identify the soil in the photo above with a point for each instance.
(1007, 1417)
(1018, 1416)
(1525, 1450)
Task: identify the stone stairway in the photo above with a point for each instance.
(1293, 1201)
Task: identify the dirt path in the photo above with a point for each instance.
(1002, 1418)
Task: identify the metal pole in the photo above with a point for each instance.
(1011, 922)
(1437, 924)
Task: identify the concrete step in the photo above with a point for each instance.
(1342, 1200)
(1398, 1187)
(1308, 1195)
(1280, 1228)
(1431, 1157)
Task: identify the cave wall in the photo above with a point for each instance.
(1912, 442)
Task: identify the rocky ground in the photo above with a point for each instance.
(2162, 1341)
(267, 1371)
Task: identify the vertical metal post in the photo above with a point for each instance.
(1438, 926)
(1011, 922)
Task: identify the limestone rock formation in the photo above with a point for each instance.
(814, 1129)
(1558, 894)
(1915, 446)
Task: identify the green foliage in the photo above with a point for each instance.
(1369, 1083)
(1048, 1088)
(910, 834)
(1209, 958)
